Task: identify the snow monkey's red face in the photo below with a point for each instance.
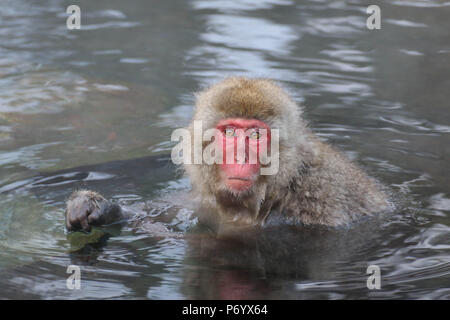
(243, 142)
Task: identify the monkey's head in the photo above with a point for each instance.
(245, 113)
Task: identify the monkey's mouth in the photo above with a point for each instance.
(239, 183)
(240, 178)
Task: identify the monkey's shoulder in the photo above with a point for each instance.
(332, 190)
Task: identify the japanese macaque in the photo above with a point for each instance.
(314, 184)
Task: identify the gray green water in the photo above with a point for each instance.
(116, 89)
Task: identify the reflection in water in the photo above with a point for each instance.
(117, 88)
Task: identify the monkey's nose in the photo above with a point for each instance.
(241, 160)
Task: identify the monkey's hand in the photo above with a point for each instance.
(87, 208)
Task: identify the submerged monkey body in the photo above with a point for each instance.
(315, 184)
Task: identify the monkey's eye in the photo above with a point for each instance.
(255, 134)
(229, 132)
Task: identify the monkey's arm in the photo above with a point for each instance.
(87, 208)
